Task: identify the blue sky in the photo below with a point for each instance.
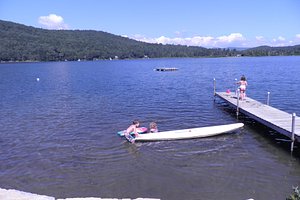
(209, 23)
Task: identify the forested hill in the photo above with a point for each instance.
(272, 51)
(24, 43)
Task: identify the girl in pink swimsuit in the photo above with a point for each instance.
(243, 84)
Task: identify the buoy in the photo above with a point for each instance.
(37, 79)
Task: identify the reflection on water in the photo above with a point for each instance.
(58, 134)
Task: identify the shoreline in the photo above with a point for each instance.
(39, 61)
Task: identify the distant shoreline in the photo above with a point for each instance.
(35, 61)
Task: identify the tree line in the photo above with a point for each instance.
(25, 43)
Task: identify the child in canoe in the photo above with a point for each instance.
(153, 127)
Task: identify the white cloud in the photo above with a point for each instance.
(280, 41)
(230, 38)
(259, 38)
(280, 38)
(224, 41)
(164, 40)
(205, 41)
(201, 41)
(52, 21)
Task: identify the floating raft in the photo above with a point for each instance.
(276, 119)
(165, 69)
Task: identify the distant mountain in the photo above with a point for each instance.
(272, 51)
(25, 43)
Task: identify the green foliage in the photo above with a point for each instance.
(295, 195)
(24, 43)
(272, 51)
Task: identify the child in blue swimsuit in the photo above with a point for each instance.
(130, 129)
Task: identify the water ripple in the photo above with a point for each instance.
(58, 136)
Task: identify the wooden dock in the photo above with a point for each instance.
(276, 119)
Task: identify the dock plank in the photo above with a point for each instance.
(269, 116)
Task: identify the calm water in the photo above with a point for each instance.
(58, 135)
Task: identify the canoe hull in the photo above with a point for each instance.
(190, 133)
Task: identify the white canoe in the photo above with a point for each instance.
(189, 133)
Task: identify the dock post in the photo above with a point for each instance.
(214, 89)
(237, 104)
(268, 98)
(293, 131)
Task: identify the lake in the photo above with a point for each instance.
(59, 122)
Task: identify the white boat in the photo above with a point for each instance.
(189, 133)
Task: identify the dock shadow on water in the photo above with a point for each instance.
(58, 135)
(267, 134)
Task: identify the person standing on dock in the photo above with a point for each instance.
(243, 84)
